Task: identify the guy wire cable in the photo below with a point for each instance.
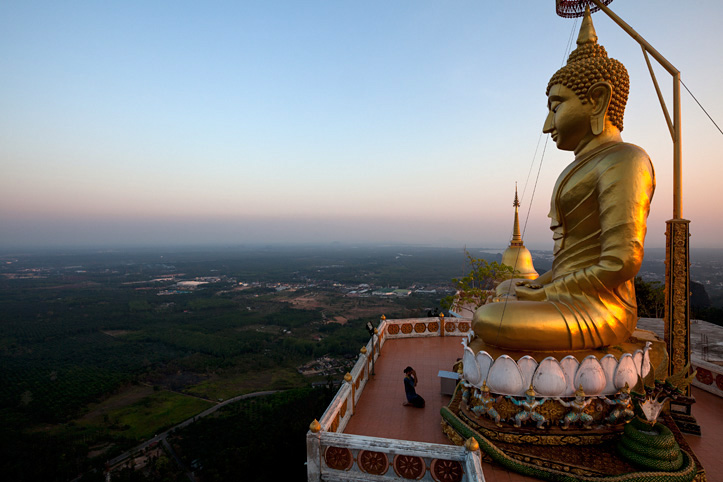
(702, 108)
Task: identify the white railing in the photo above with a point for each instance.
(334, 455)
(709, 376)
(342, 457)
(425, 327)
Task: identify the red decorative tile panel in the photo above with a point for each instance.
(704, 376)
(446, 470)
(338, 458)
(375, 463)
(409, 466)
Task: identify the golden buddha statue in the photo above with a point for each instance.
(598, 212)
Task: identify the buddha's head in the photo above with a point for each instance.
(587, 96)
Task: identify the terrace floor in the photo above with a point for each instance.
(380, 412)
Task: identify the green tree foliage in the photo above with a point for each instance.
(651, 298)
(244, 441)
(478, 284)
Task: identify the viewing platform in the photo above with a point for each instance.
(367, 433)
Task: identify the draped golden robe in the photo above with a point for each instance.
(598, 217)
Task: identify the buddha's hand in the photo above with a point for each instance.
(529, 283)
(531, 292)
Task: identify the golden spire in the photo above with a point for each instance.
(516, 236)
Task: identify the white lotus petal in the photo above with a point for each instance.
(505, 377)
(471, 370)
(591, 376)
(569, 365)
(638, 359)
(625, 372)
(609, 363)
(484, 362)
(645, 369)
(549, 379)
(527, 365)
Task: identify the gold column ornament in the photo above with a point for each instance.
(677, 295)
(471, 444)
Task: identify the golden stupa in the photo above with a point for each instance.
(516, 255)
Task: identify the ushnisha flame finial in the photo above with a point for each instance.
(587, 31)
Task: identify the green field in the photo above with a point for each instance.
(150, 415)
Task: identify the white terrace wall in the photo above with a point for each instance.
(708, 377)
(334, 455)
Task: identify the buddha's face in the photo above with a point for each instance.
(568, 120)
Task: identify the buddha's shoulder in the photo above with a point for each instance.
(624, 152)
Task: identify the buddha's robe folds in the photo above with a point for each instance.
(598, 217)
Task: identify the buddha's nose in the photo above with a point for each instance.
(548, 126)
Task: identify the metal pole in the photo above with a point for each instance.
(677, 152)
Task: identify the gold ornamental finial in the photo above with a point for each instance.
(315, 426)
(471, 444)
(587, 31)
(384, 317)
(347, 377)
(580, 392)
(363, 350)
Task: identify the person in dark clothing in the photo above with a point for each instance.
(410, 381)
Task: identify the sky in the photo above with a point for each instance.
(171, 123)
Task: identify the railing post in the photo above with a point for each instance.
(473, 461)
(313, 452)
(348, 379)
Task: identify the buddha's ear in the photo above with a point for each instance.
(599, 95)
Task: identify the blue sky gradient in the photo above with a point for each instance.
(136, 122)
